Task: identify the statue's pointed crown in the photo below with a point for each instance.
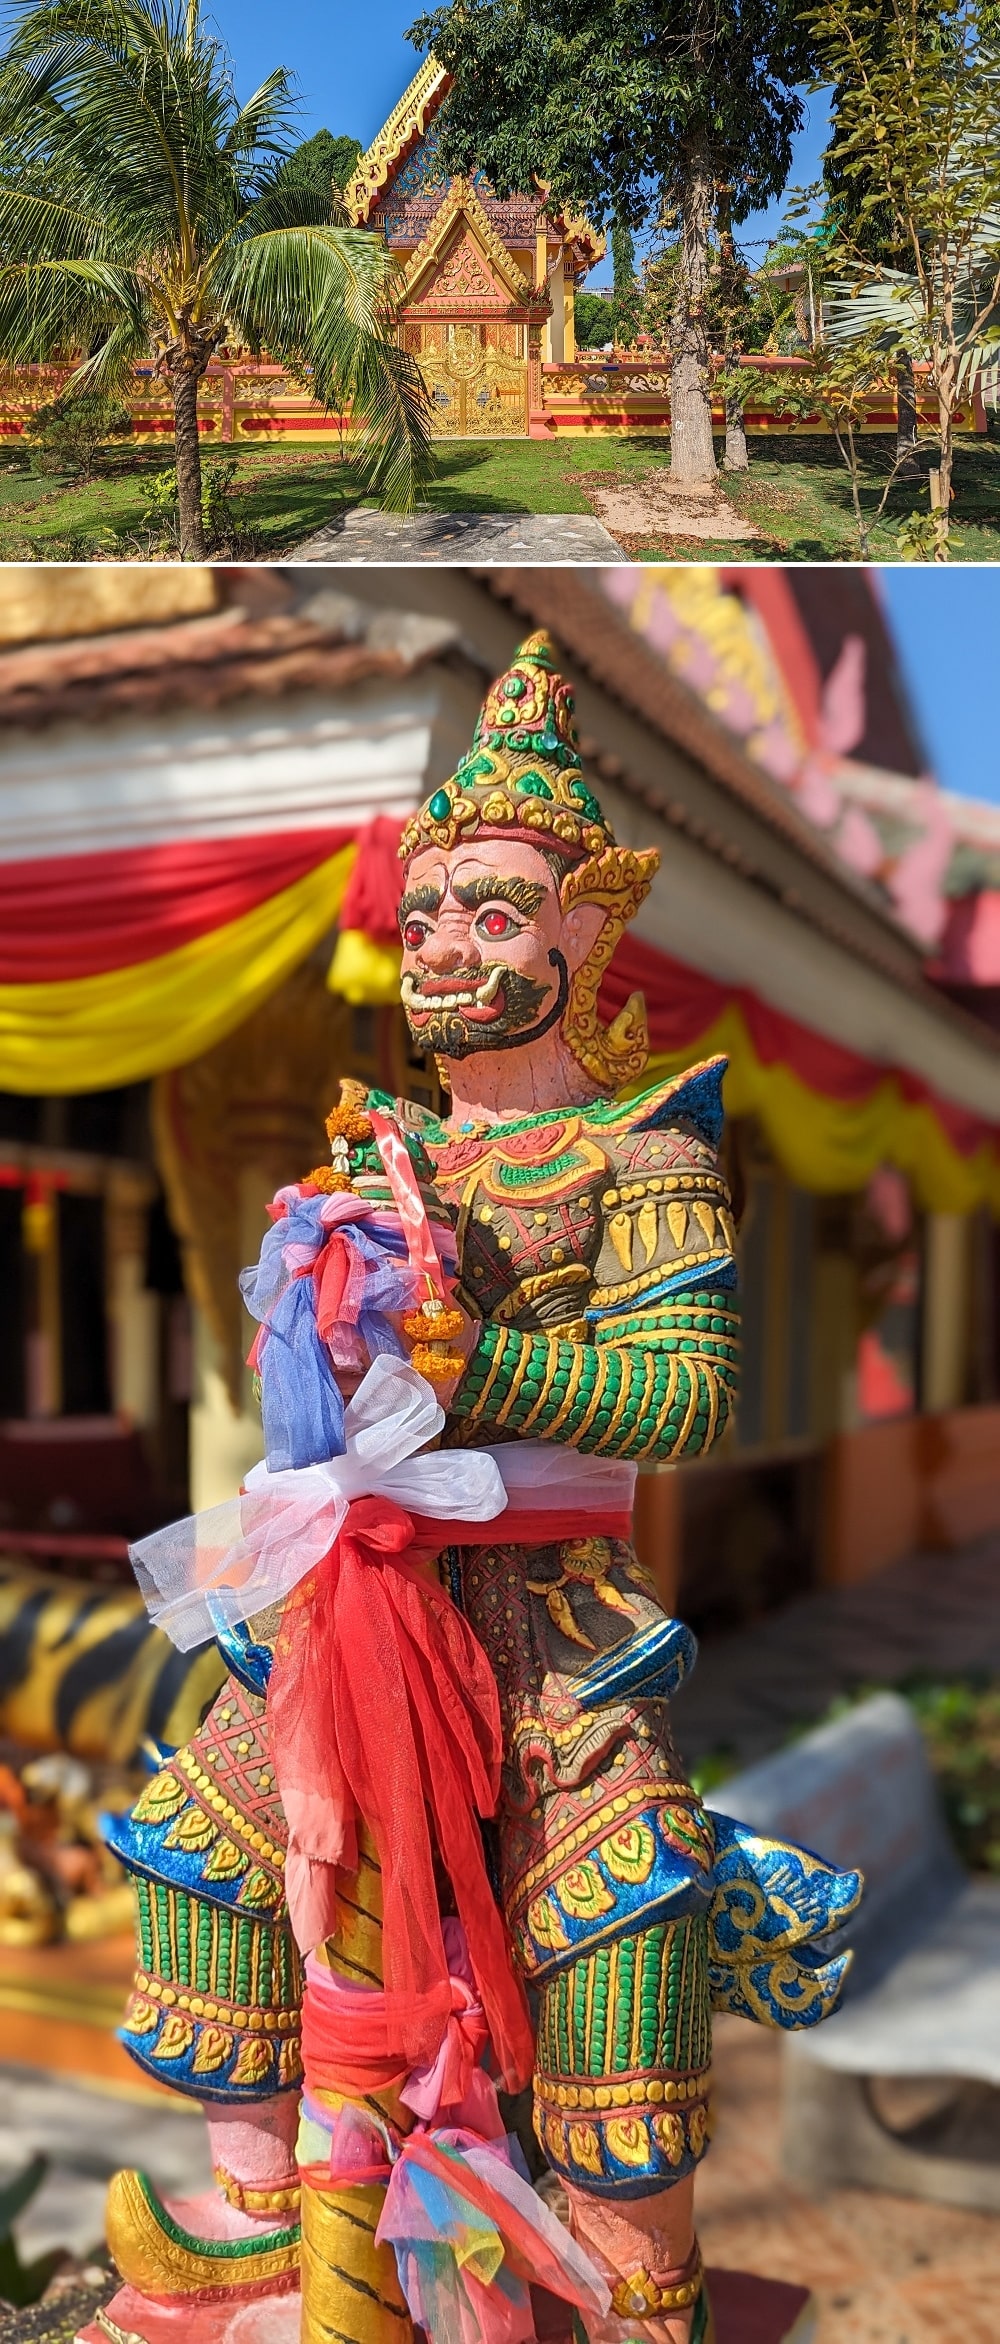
(523, 776)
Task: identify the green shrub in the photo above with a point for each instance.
(65, 435)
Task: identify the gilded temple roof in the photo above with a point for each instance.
(400, 184)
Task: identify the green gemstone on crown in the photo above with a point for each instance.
(586, 799)
(531, 785)
(440, 806)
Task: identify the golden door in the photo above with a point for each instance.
(477, 377)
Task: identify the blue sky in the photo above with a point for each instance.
(352, 63)
(946, 625)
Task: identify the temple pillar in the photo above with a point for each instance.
(569, 317)
(230, 1128)
(557, 329)
(225, 1441)
(946, 1310)
(541, 280)
(656, 1529)
(133, 1311)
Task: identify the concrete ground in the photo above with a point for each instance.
(87, 2134)
(935, 1614)
(364, 535)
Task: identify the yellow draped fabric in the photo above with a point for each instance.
(833, 1146)
(365, 972)
(89, 1033)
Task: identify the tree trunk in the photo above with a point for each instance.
(906, 410)
(947, 376)
(692, 454)
(737, 456)
(184, 380)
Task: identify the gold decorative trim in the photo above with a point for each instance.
(256, 1841)
(606, 1296)
(157, 2264)
(665, 1184)
(237, 2015)
(248, 2200)
(617, 879)
(642, 2090)
(643, 2296)
(591, 1828)
(530, 1289)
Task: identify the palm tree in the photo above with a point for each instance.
(144, 210)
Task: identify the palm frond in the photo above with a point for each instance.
(60, 307)
(319, 296)
(140, 204)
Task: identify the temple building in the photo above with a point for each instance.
(487, 282)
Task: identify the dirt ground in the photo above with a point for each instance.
(884, 2270)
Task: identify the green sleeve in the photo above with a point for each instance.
(654, 1384)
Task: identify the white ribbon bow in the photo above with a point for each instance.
(233, 1561)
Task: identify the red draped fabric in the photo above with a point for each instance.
(69, 916)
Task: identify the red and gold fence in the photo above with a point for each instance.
(240, 404)
(592, 396)
(243, 403)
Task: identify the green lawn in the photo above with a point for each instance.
(796, 493)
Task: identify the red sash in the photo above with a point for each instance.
(382, 1704)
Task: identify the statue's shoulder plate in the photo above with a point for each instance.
(691, 1101)
(667, 1217)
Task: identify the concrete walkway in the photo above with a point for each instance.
(364, 535)
(934, 1614)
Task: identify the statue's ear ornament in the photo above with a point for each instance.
(618, 879)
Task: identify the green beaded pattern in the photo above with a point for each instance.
(641, 2005)
(201, 1946)
(655, 1384)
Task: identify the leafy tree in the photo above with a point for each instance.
(732, 312)
(734, 307)
(917, 143)
(837, 385)
(634, 113)
(874, 228)
(141, 209)
(321, 163)
(593, 321)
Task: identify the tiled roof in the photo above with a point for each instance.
(261, 643)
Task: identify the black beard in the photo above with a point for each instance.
(450, 1035)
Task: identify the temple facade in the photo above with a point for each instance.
(487, 283)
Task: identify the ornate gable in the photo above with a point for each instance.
(396, 140)
(462, 265)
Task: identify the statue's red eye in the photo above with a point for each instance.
(496, 924)
(413, 935)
